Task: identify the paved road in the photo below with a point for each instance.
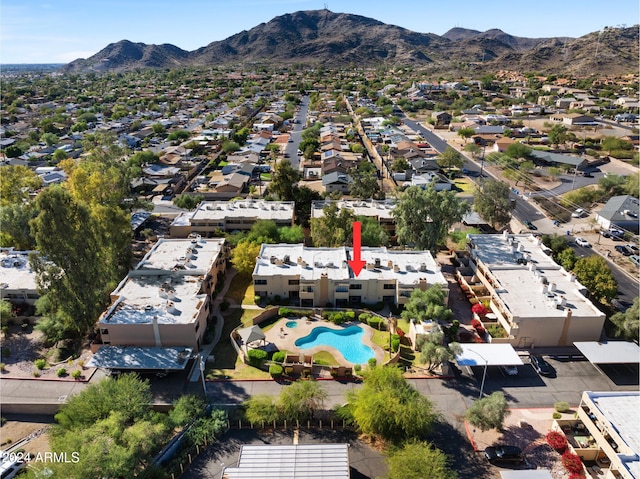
(296, 133)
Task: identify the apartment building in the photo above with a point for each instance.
(534, 299)
(212, 216)
(381, 210)
(165, 300)
(316, 277)
(612, 419)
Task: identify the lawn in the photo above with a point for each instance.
(241, 290)
(265, 176)
(465, 185)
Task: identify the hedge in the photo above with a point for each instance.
(276, 370)
(278, 357)
(256, 356)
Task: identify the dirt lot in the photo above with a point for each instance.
(14, 431)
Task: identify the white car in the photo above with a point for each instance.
(583, 242)
(579, 213)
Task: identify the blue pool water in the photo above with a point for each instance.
(291, 324)
(348, 341)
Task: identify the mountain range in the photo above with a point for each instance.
(325, 38)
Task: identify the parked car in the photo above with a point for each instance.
(583, 242)
(612, 233)
(633, 248)
(510, 370)
(623, 250)
(504, 455)
(530, 225)
(540, 365)
(635, 259)
(579, 213)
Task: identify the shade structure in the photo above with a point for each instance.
(488, 354)
(610, 352)
(251, 334)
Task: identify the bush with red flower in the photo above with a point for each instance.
(572, 463)
(557, 441)
(477, 325)
(479, 309)
(576, 475)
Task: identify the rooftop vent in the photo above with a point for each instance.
(423, 267)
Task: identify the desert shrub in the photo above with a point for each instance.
(278, 357)
(338, 317)
(276, 370)
(372, 362)
(364, 317)
(36, 374)
(556, 415)
(61, 372)
(572, 462)
(40, 363)
(3, 366)
(497, 331)
(256, 356)
(288, 370)
(357, 368)
(81, 363)
(77, 374)
(557, 441)
(562, 406)
(621, 154)
(350, 315)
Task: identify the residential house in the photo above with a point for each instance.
(502, 144)
(534, 299)
(214, 216)
(431, 178)
(621, 212)
(380, 210)
(337, 181)
(441, 118)
(319, 276)
(17, 279)
(547, 158)
(572, 119)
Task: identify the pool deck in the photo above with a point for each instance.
(285, 338)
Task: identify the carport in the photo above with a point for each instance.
(610, 352)
(487, 354)
(528, 474)
(141, 358)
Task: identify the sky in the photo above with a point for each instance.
(59, 31)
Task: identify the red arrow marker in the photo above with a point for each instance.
(357, 263)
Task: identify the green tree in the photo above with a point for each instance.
(373, 234)
(301, 399)
(423, 217)
(13, 151)
(473, 149)
(333, 228)
(186, 409)
(427, 305)
(49, 138)
(205, 430)
(264, 231)
(188, 202)
(6, 311)
(17, 182)
(418, 460)
(291, 234)
(364, 185)
(230, 146)
(243, 257)
(59, 155)
(594, 274)
(400, 164)
(466, 133)
(517, 150)
(284, 181)
(554, 172)
(567, 258)
(15, 230)
(557, 135)
(158, 129)
(74, 268)
(627, 323)
(450, 158)
(612, 185)
(492, 202)
(632, 185)
(178, 135)
(434, 353)
(488, 412)
(388, 407)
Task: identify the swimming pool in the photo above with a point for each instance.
(291, 324)
(348, 341)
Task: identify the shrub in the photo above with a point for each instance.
(288, 370)
(557, 441)
(357, 368)
(3, 366)
(3, 421)
(256, 356)
(395, 343)
(61, 372)
(496, 331)
(81, 363)
(364, 317)
(276, 370)
(36, 374)
(286, 312)
(480, 309)
(350, 315)
(40, 363)
(556, 415)
(576, 475)
(77, 374)
(372, 362)
(278, 357)
(475, 323)
(375, 322)
(257, 299)
(562, 406)
(572, 462)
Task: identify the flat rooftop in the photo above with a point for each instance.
(622, 410)
(373, 208)
(130, 357)
(405, 267)
(15, 271)
(258, 209)
(531, 284)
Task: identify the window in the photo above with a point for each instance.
(260, 282)
(104, 331)
(293, 282)
(389, 286)
(355, 286)
(307, 289)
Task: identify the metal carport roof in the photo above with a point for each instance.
(537, 474)
(481, 354)
(140, 358)
(610, 352)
